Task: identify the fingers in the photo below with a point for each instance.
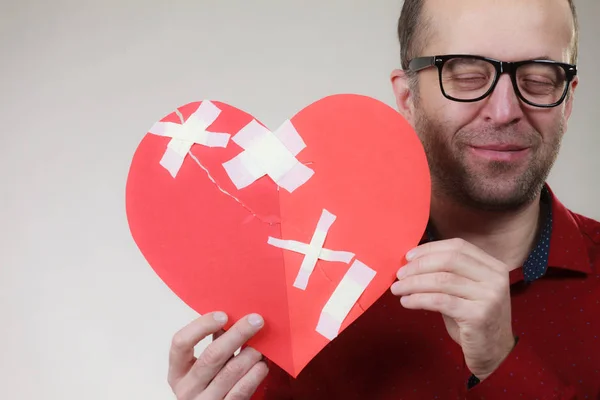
(452, 306)
(456, 263)
(245, 387)
(455, 246)
(181, 353)
(216, 355)
(438, 282)
(448, 276)
(231, 373)
(218, 334)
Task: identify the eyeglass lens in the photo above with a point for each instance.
(469, 79)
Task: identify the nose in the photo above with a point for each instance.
(503, 107)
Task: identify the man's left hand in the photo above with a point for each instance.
(471, 290)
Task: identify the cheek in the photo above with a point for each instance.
(549, 124)
(448, 117)
(460, 115)
(429, 89)
(433, 105)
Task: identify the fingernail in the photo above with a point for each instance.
(220, 317)
(255, 320)
(401, 273)
(410, 255)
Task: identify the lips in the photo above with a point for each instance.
(500, 147)
(500, 152)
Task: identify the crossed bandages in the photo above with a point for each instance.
(272, 154)
(350, 288)
(265, 152)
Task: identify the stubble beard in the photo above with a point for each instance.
(496, 186)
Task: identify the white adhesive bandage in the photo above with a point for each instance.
(314, 250)
(268, 153)
(345, 295)
(185, 135)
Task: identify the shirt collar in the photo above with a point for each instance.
(568, 249)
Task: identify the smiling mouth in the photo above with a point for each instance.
(504, 152)
(500, 147)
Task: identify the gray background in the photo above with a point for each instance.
(83, 315)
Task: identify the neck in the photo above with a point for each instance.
(506, 236)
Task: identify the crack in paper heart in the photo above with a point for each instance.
(193, 157)
(324, 273)
(255, 215)
(229, 194)
(246, 207)
(351, 176)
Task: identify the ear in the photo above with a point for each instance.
(403, 94)
(570, 98)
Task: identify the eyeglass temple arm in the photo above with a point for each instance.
(420, 63)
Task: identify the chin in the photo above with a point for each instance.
(501, 194)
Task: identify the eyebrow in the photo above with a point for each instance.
(547, 58)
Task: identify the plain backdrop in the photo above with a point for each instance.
(83, 316)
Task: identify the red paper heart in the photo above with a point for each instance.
(210, 247)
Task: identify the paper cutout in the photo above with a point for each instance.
(207, 239)
(184, 136)
(268, 153)
(314, 250)
(346, 294)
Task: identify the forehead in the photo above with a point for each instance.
(509, 30)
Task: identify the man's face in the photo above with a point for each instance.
(496, 153)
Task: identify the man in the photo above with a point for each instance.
(502, 298)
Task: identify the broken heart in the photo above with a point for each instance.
(305, 224)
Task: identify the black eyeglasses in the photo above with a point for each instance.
(470, 78)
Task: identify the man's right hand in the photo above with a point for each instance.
(216, 374)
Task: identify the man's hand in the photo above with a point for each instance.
(216, 374)
(471, 290)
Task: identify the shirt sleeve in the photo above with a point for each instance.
(275, 386)
(522, 375)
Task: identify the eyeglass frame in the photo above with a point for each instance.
(421, 63)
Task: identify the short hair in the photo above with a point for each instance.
(414, 30)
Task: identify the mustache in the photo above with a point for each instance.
(498, 136)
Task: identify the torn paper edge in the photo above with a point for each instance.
(193, 157)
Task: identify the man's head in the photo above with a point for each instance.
(496, 152)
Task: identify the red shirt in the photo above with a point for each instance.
(394, 353)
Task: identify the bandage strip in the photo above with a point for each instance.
(314, 250)
(268, 153)
(346, 294)
(184, 136)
